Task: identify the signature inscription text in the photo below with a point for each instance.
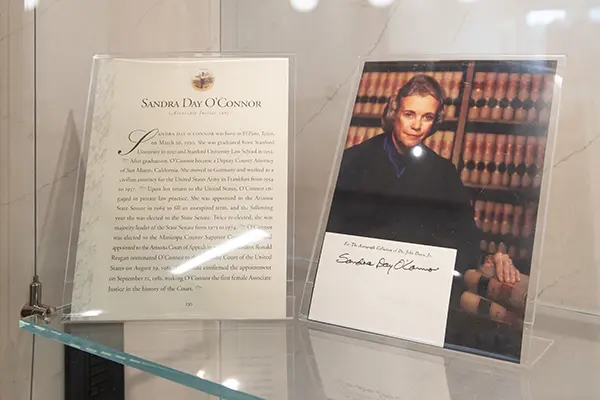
(402, 264)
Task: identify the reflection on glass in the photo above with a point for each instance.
(594, 14)
(353, 369)
(304, 5)
(558, 80)
(544, 17)
(231, 383)
(30, 4)
(417, 151)
(89, 313)
(381, 3)
(253, 236)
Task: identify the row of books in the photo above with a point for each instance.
(441, 142)
(358, 134)
(514, 252)
(511, 97)
(375, 110)
(376, 89)
(503, 160)
(505, 219)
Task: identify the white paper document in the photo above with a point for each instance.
(385, 287)
(184, 213)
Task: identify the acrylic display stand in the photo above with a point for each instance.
(467, 102)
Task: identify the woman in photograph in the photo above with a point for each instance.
(393, 187)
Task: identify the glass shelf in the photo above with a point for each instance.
(294, 361)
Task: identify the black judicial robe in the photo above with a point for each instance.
(385, 195)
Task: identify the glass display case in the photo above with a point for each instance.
(47, 49)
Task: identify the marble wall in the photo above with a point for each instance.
(329, 40)
(16, 195)
(65, 49)
(69, 33)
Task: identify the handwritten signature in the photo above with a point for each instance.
(402, 264)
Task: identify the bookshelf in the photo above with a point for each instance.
(507, 127)
(495, 126)
(502, 194)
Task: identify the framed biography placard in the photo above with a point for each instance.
(186, 204)
(433, 229)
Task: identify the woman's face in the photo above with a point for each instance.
(414, 120)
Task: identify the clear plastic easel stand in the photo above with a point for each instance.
(80, 279)
(534, 348)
